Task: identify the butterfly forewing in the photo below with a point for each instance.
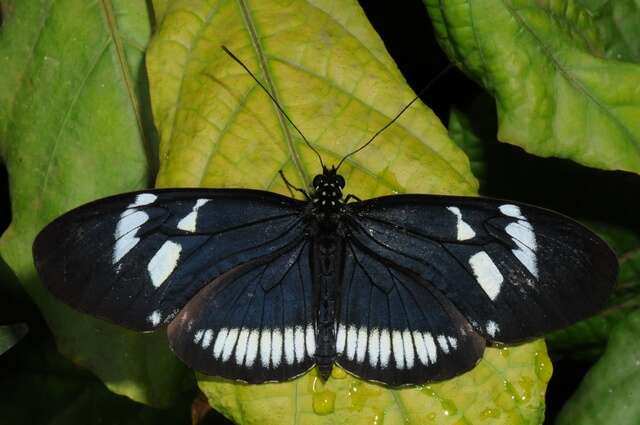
(513, 270)
(254, 324)
(137, 258)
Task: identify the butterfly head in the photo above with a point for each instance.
(327, 188)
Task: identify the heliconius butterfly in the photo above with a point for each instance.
(259, 287)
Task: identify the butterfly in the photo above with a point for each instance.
(259, 287)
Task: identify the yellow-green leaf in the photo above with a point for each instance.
(332, 75)
(544, 62)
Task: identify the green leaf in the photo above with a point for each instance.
(10, 335)
(40, 387)
(333, 77)
(617, 21)
(465, 136)
(609, 392)
(72, 130)
(543, 61)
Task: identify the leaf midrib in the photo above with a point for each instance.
(573, 81)
(269, 83)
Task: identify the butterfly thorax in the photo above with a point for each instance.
(327, 192)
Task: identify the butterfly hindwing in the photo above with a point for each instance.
(513, 270)
(137, 258)
(254, 324)
(397, 329)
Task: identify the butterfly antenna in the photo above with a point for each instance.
(235, 58)
(394, 119)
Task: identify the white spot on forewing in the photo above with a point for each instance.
(252, 348)
(442, 340)
(526, 257)
(431, 347)
(206, 338)
(276, 347)
(265, 347)
(241, 347)
(525, 224)
(486, 273)
(421, 348)
(219, 344)
(492, 328)
(299, 342)
(374, 347)
(385, 348)
(523, 234)
(129, 222)
(341, 339)
(409, 354)
(511, 210)
(188, 222)
(464, 230)
(310, 340)
(289, 350)
(352, 342)
(155, 317)
(164, 262)
(123, 246)
(229, 343)
(362, 344)
(126, 232)
(398, 349)
(143, 199)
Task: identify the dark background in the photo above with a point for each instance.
(562, 185)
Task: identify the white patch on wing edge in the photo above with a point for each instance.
(252, 348)
(385, 348)
(265, 347)
(398, 348)
(188, 222)
(444, 346)
(299, 343)
(341, 339)
(374, 347)
(492, 328)
(352, 342)
(431, 347)
(143, 199)
(289, 349)
(511, 210)
(409, 353)
(155, 317)
(311, 340)
(362, 344)
(465, 231)
(206, 338)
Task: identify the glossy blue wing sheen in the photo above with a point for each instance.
(259, 287)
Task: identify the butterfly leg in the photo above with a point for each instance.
(351, 196)
(292, 187)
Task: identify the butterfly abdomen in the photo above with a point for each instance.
(327, 264)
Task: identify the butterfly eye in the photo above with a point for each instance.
(317, 180)
(340, 181)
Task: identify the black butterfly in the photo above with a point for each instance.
(258, 287)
